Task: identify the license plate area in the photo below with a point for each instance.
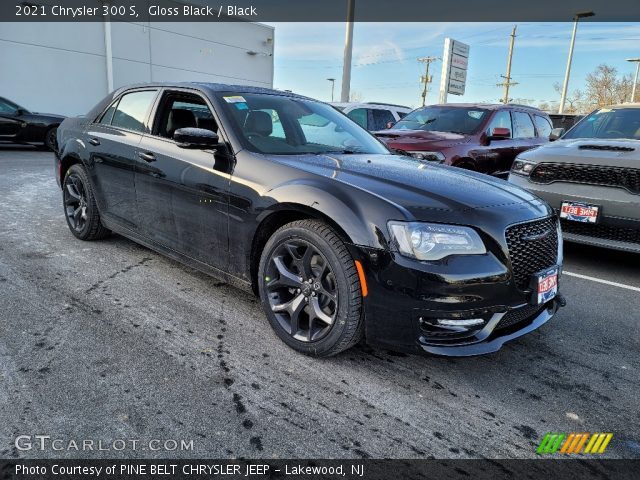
(544, 285)
(580, 212)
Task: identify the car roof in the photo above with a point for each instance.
(217, 87)
(489, 106)
(369, 104)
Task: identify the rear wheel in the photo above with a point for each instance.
(80, 206)
(310, 290)
(50, 139)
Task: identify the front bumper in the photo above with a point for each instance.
(404, 304)
(619, 223)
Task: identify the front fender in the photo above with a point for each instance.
(362, 219)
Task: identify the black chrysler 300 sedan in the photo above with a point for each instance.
(286, 196)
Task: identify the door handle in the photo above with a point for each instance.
(94, 141)
(147, 157)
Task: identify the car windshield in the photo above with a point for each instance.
(608, 123)
(7, 106)
(444, 119)
(284, 125)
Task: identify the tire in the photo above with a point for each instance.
(322, 317)
(79, 203)
(50, 140)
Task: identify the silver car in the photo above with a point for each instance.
(591, 177)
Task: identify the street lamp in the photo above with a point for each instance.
(333, 83)
(635, 80)
(576, 18)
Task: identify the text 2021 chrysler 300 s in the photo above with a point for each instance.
(286, 196)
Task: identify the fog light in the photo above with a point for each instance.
(467, 322)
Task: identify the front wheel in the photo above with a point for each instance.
(310, 289)
(80, 206)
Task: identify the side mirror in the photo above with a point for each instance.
(196, 138)
(20, 112)
(500, 133)
(390, 125)
(556, 133)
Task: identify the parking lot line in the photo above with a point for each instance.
(600, 280)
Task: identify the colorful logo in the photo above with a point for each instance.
(573, 443)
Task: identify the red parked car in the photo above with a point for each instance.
(481, 137)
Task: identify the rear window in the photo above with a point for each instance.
(132, 110)
(543, 125)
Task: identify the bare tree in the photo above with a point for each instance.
(575, 100)
(604, 87)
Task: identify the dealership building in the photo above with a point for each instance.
(66, 68)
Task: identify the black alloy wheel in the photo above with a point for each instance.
(302, 290)
(75, 202)
(80, 207)
(310, 289)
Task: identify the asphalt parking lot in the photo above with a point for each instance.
(109, 340)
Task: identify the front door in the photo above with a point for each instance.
(182, 194)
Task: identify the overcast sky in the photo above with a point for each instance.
(385, 67)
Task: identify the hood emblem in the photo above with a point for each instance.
(536, 236)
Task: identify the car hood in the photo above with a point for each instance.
(621, 153)
(421, 138)
(412, 185)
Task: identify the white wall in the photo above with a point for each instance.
(62, 67)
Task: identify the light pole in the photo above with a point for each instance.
(576, 18)
(635, 80)
(348, 50)
(333, 83)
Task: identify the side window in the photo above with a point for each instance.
(401, 115)
(543, 126)
(502, 119)
(181, 110)
(522, 125)
(132, 110)
(107, 116)
(359, 115)
(381, 118)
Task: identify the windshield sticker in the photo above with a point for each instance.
(235, 99)
(242, 106)
(475, 114)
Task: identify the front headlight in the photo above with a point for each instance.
(429, 156)
(522, 167)
(433, 241)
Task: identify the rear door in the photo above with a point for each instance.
(112, 142)
(182, 194)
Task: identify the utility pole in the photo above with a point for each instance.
(426, 80)
(333, 84)
(507, 78)
(348, 50)
(567, 73)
